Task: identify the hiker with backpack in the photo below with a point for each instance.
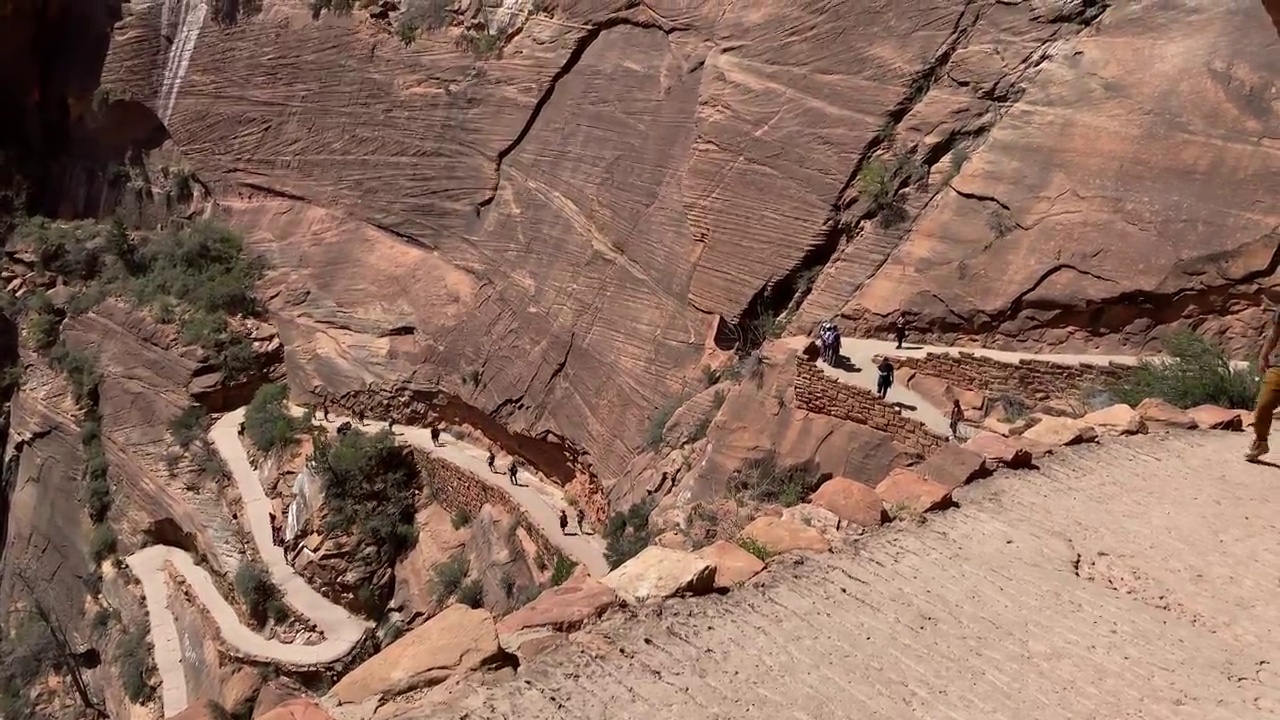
(884, 381)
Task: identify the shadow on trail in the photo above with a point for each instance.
(1265, 463)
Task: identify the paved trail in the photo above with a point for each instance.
(541, 499)
(1135, 579)
(342, 630)
(861, 353)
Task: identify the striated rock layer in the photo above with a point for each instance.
(553, 234)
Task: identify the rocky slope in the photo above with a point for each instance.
(569, 219)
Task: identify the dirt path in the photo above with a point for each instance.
(541, 499)
(1134, 579)
(861, 352)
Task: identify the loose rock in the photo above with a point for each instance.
(781, 536)
(1116, 420)
(1160, 415)
(952, 466)
(1212, 417)
(910, 491)
(1061, 431)
(734, 566)
(852, 502)
(1000, 450)
(658, 573)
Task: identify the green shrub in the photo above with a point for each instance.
(1000, 222)
(74, 250)
(627, 533)
(371, 489)
(471, 593)
(82, 372)
(260, 595)
(481, 44)
(43, 324)
(133, 665)
(563, 568)
(755, 547)
(267, 421)
(102, 544)
(190, 426)
(657, 429)
(449, 576)
(11, 377)
(762, 479)
(1197, 372)
(460, 519)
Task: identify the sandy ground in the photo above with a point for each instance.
(1137, 579)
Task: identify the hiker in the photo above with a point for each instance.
(360, 416)
(957, 417)
(885, 381)
(1268, 392)
(391, 426)
(827, 341)
(491, 460)
(835, 346)
(435, 435)
(564, 522)
(582, 516)
(900, 330)
(324, 410)
(344, 428)
(512, 469)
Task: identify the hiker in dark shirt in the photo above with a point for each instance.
(900, 330)
(512, 469)
(435, 435)
(582, 516)
(491, 461)
(957, 417)
(324, 410)
(564, 523)
(885, 379)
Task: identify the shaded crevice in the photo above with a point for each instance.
(979, 197)
(1016, 304)
(584, 43)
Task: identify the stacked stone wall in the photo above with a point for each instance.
(1034, 380)
(456, 488)
(817, 392)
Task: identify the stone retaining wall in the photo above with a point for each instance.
(455, 489)
(816, 392)
(1034, 380)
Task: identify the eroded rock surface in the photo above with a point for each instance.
(658, 573)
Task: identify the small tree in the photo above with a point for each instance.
(449, 576)
(267, 421)
(562, 569)
(190, 426)
(260, 595)
(371, 489)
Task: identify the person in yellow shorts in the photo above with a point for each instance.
(1268, 392)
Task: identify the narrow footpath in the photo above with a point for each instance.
(541, 499)
(152, 565)
(860, 353)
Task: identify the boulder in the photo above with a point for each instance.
(733, 565)
(1000, 450)
(816, 517)
(459, 639)
(296, 709)
(240, 686)
(1116, 420)
(564, 608)
(851, 501)
(952, 466)
(780, 535)
(1060, 431)
(1160, 415)
(1212, 417)
(672, 539)
(658, 573)
(909, 490)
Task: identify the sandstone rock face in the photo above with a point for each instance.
(1212, 417)
(907, 490)
(1160, 415)
(952, 466)
(734, 566)
(1061, 431)
(1116, 420)
(1000, 450)
(816, 517)
(498, 559)
(782, 536)
(658, 573)
(457, 640)
(1033, 240)
(437, 541)
(564, 608)
(851, 501)
(296, 709)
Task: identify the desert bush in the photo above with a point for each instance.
(471, 593)
(102, 543)
(1196, 372)
(755, 547)
(260, 595)
(267, 421)
(133, 665)
(1000, 222)
(190, 426)
(26, 655)
(448, 577)
(627, 533)
(656, 431)
(43, 322)
(562, 569)
(81, 370)
(371, 489)
(763, 479)
(74, 250)
(1014, 407)
(460, 519)
(11, 377)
